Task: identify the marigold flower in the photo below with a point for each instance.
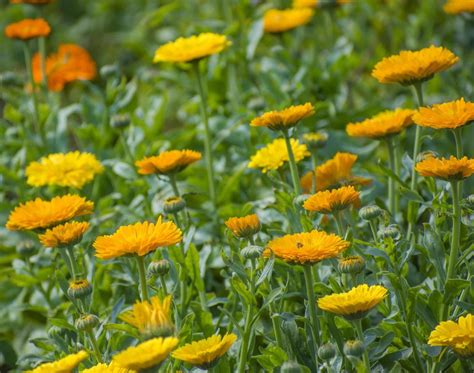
(192, 48)
(457, 335)
(355, 303)
(275, 154)
(138, 239)
(409, 67)
(459, 6)
(70, 63)
(205, 353)
(64, 234)
(66, 364)
(449, 115)
(275, 20)
(384, 124)
(332, 201)
(306, 248)
(305, 3)
(446, 169)
(283, 119)
(111, 368)
(28, 29)
(43, 214)
(146, 355)
(73, 169)
(245, 226)
(151, 318)
(169, 162)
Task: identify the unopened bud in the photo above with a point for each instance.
(87, 322)
(120, 121)
(354, 348)
(392, 231)
(291, 367)
(159, 267)
(352, 264)
(252, 252)
(173, 205)
(370, 212)
(327, 351)
(79, 289)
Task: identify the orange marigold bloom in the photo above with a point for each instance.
(330, 201)
(449, 115)
(64, 234)
(70, 63)
(387, 123)
(459, 6)
(169, 162)
(275, 20)
(283, 119)
(457, 335)
(43, 214)
(28, 29)
(409, 67)
(245, 226)
(446, 169)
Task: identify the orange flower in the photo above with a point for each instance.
(330, 201)
(283, 119)
(168, 162)
(28, 29)
(245, 226)
(447, 169)
(459, 6)
(275, 20)
(449, 115)
(387, 123)
(64, 234)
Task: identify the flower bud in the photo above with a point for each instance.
(174, 205)
(252, 252)
(159, 267)
(109, 71)
(470, 201)
(291, 367)
(327, 351)
(120, 121)
(79, 289)
(87, 322)
(425, 155)
(354, 348)
(315, 140)
(370, 212)
(352, 264)
(26, 248)
(392, 231)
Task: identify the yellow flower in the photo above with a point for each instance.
(43, 214)
(447, 169)
(458, 6)
(205, 352)
(64, 234)
(73, 169)
(306, 248)
(245, 226)
(151, 318)
(283, 119)
(28, 29)
(448, 115)
(111, 368)
(275, 154)
(138, 239)
(191, 48)
(275, 20)
(169, 162)
(382, 125)
(459, 336)
(331, 201)
(64, 365)
(146, 355)
(334, 173)
(315, 139)
(409, 67)
(305, 3)
(355, 303)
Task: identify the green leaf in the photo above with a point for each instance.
(453, 288)
(241, 289)
(272, 357)
(267, 270)
(192, 265)
(434, 245)
(63, 324)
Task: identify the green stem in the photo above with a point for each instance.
(95, 346)
(42, 54)
(74, 266)
(276, 327)
(293, 169)
(174, 185)
(339, 224)
(313, 173)
(315, 340)
(360, 333)
(142, 273)
(391, 181)
(373, 229)
(245, 340)
(67, 261)
(163, 285)
(458, 140)
(126, 148)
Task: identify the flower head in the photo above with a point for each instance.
(457, 335)
(205, 352)
(331, 201)
(64, 234)
(275, 20)
(191, 48)
(355, 303)
(275, 154)
(104, 368)
(409, 67)
(43, 214)
(283, 119)
(28, 29)
(306, 248)
(305, 3)
(168, 162)
(66, 364)
(449, 115)
(384, 124)
(245, 226)
(147, 354)
(151, 318)
(447, 169)
(73, 169)
(138, 239)
(459, 6)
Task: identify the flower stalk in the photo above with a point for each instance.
(142, 274)
(293, 168)
(360, 334)
(393, 208)
(95, 346)
(309, 280)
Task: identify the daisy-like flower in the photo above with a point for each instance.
(355, 303)
(409, 67)
(138, 239)
(205, 353)
(459, 6)
(332, 201)
(457, 335)
(151, 318)
(64, 234)
(28, 29)
(43, 214)
(275, 20)
(245, 226)
(169, 162)
(446, 169)
(192, 48)
(110, 368)
(66, 364)
(450, 115)
(387, 123)
(306, 248)
(275, 154)
(146, 355)
(70, 63)
(283, 119)
(334, 173)
(305, 3)
(73, 169)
